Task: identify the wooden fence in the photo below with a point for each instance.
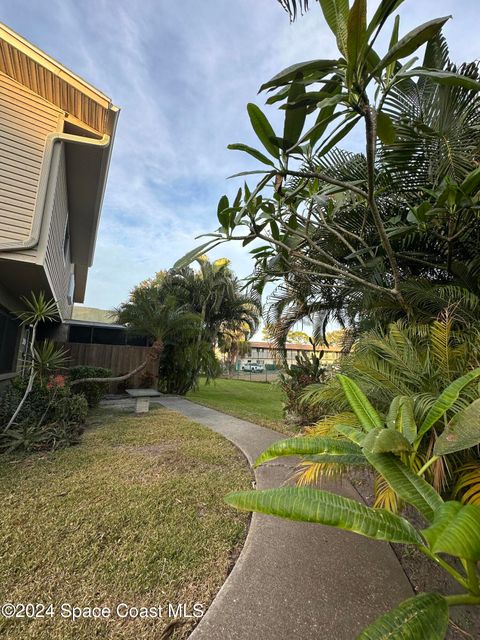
(120, 359)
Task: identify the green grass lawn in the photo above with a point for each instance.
(134, 514)
(259, 402)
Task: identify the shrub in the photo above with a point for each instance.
(451, 537)
(93, 391)
(51, 416)
(295, 378)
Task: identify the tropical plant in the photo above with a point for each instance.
(346, 233)
(215, 294)
(37, 309)
(423, 435)
(233, 344)
(50, 417)
(407, 359)
(154, 312)
(293, 379)
(48, 358)
(452, 528)
(189, 312)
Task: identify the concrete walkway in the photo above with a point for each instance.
(293, 580)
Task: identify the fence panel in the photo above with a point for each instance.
(120, 359)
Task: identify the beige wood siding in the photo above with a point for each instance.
(28, 65)
(25, 121)
(57, 261)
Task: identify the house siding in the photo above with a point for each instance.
(26, 119)
(58, 266)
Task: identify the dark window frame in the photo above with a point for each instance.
(9, 341)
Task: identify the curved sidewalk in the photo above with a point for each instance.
(294, 580)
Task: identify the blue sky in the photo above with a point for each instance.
(182, 73)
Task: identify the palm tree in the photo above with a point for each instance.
(188, 312)
(233, 344)
(152, 312)
(215, 294)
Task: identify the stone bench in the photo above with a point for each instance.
(142, 398)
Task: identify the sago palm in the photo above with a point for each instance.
(415, 362)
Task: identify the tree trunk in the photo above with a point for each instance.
(153, 356)
(31, 378)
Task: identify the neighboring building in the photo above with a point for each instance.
(56, 136)
(268, 355)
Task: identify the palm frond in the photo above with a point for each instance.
(292, 7)
(385, 496)
(467, 485)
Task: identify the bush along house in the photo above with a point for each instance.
(56, 137)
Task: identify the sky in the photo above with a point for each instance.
(182, 72)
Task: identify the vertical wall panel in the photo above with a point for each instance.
(57, 255)
(25, 121)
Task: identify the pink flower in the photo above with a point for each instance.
(56, 381)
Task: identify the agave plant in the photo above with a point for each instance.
(452, 527)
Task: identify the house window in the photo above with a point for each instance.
(8, 341)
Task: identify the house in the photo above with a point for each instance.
(268, 355)
(56, 137)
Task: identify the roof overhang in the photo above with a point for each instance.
(89, 323)
(33, 68)
(90, 116)
(87, 169)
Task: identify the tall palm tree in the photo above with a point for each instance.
(188, 312)
(153, 312)
(215, 294)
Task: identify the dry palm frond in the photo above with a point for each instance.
(326, 426)
(314, 468)
(385, 496)
(308, 473)
(440, 473)
(467, 486)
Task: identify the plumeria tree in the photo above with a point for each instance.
(346, 231)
